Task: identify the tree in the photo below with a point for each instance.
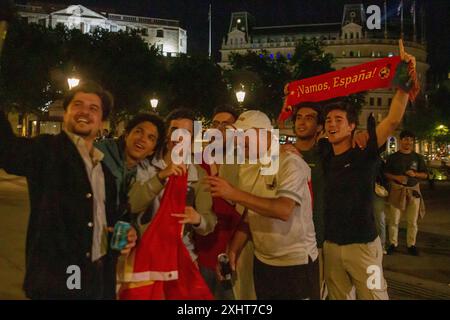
(310, 60)
(37, 61)
(430, 119)
(30, 53)
(264, 77)
(122, 62)
(196, 83)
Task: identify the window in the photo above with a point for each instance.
(169, 54)
(144, 32)
(351, 54)
(371, 101)
(42, 22)
(379, 101)
(389, 101)
(345, 36)
(351, 35)
(357, 35)
(160, 33)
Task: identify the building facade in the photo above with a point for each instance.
(166, 35)
(350, 42)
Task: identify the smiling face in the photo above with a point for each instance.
(337, 126)
(141, 141)
(306, 124)
(83, 115)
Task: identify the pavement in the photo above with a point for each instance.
(409, 278)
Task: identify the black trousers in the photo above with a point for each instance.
(97, 283)
(287, 283)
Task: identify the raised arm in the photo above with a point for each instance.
(18, 155)
(398, 106)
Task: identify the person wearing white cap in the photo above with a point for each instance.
(277, 217)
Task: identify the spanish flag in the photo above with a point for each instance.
(160, 268)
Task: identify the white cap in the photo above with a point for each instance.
(253, 119)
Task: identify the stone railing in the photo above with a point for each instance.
(290, 44)
(143, 20)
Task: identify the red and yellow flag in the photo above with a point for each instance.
(160, 267)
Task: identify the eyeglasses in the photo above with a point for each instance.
(220, 124)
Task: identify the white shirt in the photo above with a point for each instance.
(96, 177)
(277, 242)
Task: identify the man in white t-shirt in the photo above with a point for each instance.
(278, 218)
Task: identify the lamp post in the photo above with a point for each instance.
(240, 97)
(73, 82)
(154, 103)
(73, 79)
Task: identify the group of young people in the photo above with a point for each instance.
(303, 232)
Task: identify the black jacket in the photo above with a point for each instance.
(60, 228)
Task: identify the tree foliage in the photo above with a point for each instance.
(30, 53)
(195, 82)
(430, 118)
(263, 77)
(310, 60)
(37, 61)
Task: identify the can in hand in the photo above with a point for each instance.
(120, 235)
(225, 267)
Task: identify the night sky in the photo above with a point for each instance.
(193, 16)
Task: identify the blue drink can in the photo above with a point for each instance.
(120, 236)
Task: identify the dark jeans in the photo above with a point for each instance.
(287, 283)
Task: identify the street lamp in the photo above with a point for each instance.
(154, 104)
(240, 96)
(73, 82)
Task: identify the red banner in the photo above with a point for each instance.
(371, 75)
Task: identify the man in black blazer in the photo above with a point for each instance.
(73, 202)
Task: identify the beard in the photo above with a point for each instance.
(86, 132)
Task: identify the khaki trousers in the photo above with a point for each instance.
(412, 215)
(322, 284)
(243, 285)
(356, 266)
